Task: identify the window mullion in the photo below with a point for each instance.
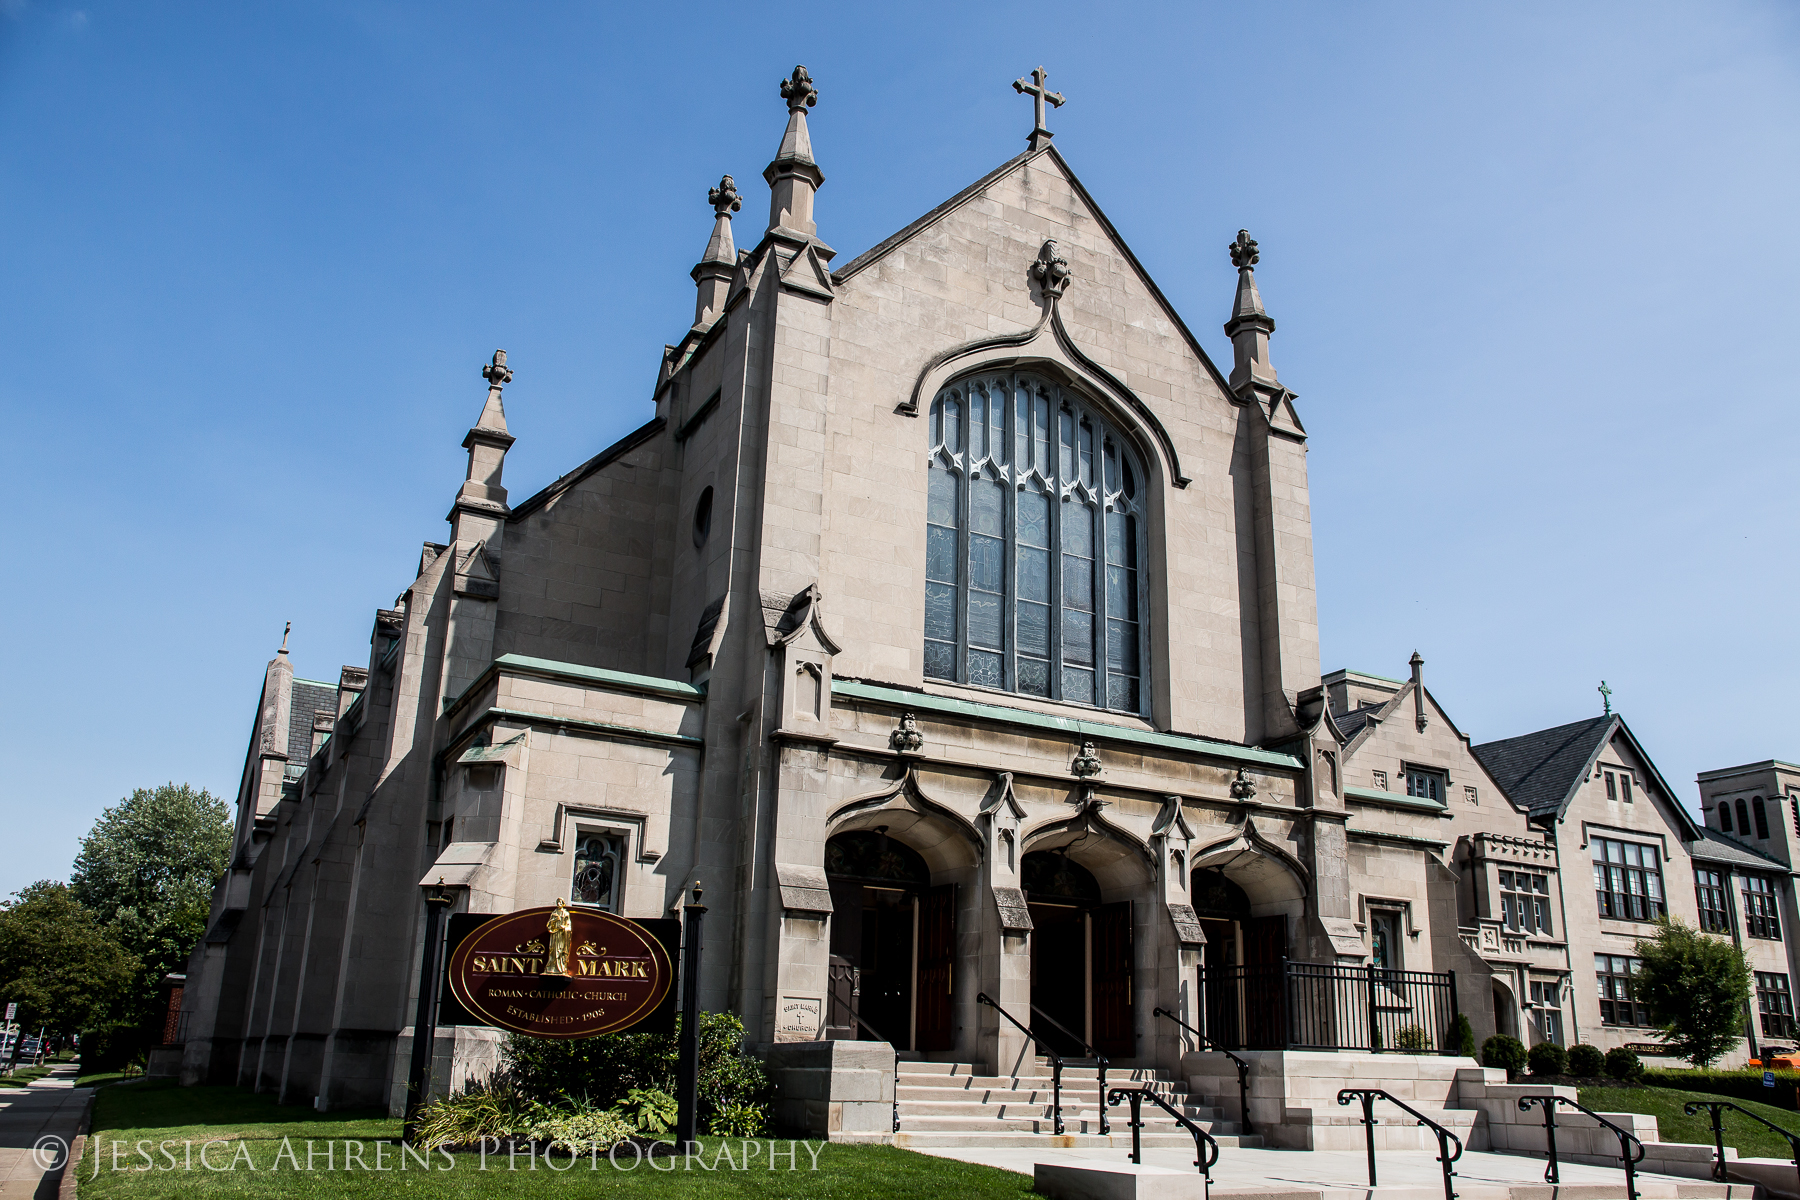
(1009, 571)
(964, 571)
(1102, 660)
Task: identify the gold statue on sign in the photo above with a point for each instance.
(561, 929)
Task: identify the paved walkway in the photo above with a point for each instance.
(37, 1125)
(1343, 1175)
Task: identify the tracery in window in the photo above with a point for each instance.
(1034, 545)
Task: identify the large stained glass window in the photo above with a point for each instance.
(1034, 545)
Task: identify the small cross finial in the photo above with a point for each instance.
(1039, 96)
(285, 630)
(724, 198)
(798, 91)
(497, 373)
(1606, 698)
(1243, 251)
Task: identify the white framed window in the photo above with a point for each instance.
(597, 876)
(1035, 545)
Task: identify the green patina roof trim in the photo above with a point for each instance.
(1097, 730)
(1394, 799)
(319, 683)
(639, 683)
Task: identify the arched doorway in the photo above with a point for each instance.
(893, 941)
(1081, 957)
(1240, 982)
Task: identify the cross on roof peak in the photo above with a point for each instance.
(1605, 698)
(1039, 94)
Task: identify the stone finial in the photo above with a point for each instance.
(798, 90)
(1243, 788)
(907, 739)
(1418, 681)
(497, 373)
(1040, 95)
(724, 198)
(285, 630)
(1250, 325)
(1087, 763)
(1243, 251)
(1051, 270)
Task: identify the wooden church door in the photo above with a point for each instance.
(937, 959)
(1113, 1033)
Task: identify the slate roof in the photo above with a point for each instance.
(1714, 846)
(306, 698)
(1351, 723)
(1539, 770)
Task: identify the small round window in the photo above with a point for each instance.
(702, 518)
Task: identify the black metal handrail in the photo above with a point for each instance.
(1203, 1141)
(1243, 1068)
(1099, 1059)
(1719, 1131)
(857, 1017)
(1444, 1136)
(1056, 1062)
(1551, 1174)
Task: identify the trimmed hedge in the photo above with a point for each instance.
(1734, 1085)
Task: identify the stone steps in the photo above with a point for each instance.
(951, 1105)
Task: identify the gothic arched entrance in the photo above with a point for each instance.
(1081, 957)
(1241, 985)
(893, 942)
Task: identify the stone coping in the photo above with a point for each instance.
(623, 681)
(1072, 727)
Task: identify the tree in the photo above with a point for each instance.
(64, 970)
(147, 870)
(1696, 987)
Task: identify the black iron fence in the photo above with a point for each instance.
(1318, 1006)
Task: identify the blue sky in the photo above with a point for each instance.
(1532, 265)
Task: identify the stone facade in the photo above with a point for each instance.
(700, 655)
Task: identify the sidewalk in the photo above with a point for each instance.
(37, 1125)
(1343, 1175)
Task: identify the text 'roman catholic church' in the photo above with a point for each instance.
(952, 619)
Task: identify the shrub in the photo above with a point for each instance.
(1586, 1061)
(1505, 1052)
(737, 1120)
(604, 1071)
(1623, 1064)
(1462, 1037)
(652, 1110)
(1412, 1037)
(497, 1110)
(1548, 1058)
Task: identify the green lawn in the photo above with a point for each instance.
(157, 1112)
(1752, 1140)
(23, 1076)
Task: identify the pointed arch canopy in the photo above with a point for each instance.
(945, 840)
(1266, 873)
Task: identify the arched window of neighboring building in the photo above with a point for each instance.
(1762, 816)
(1743, 818)
(1725, 816)
(1034, 545)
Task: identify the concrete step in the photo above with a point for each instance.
(908, 1091)
(1162, 1087)
(1037, 1121)
(1041, 1108)
(939, 1139)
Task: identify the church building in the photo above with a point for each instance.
(950, 618)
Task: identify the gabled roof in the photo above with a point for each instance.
(1541, 771)
(883, 248)
(1714, 846)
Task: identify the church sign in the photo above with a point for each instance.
(561, 972)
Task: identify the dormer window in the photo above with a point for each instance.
(1034, 545)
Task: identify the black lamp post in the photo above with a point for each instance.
(437, 899)
(687, 1076)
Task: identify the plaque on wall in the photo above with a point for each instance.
(561, 972)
